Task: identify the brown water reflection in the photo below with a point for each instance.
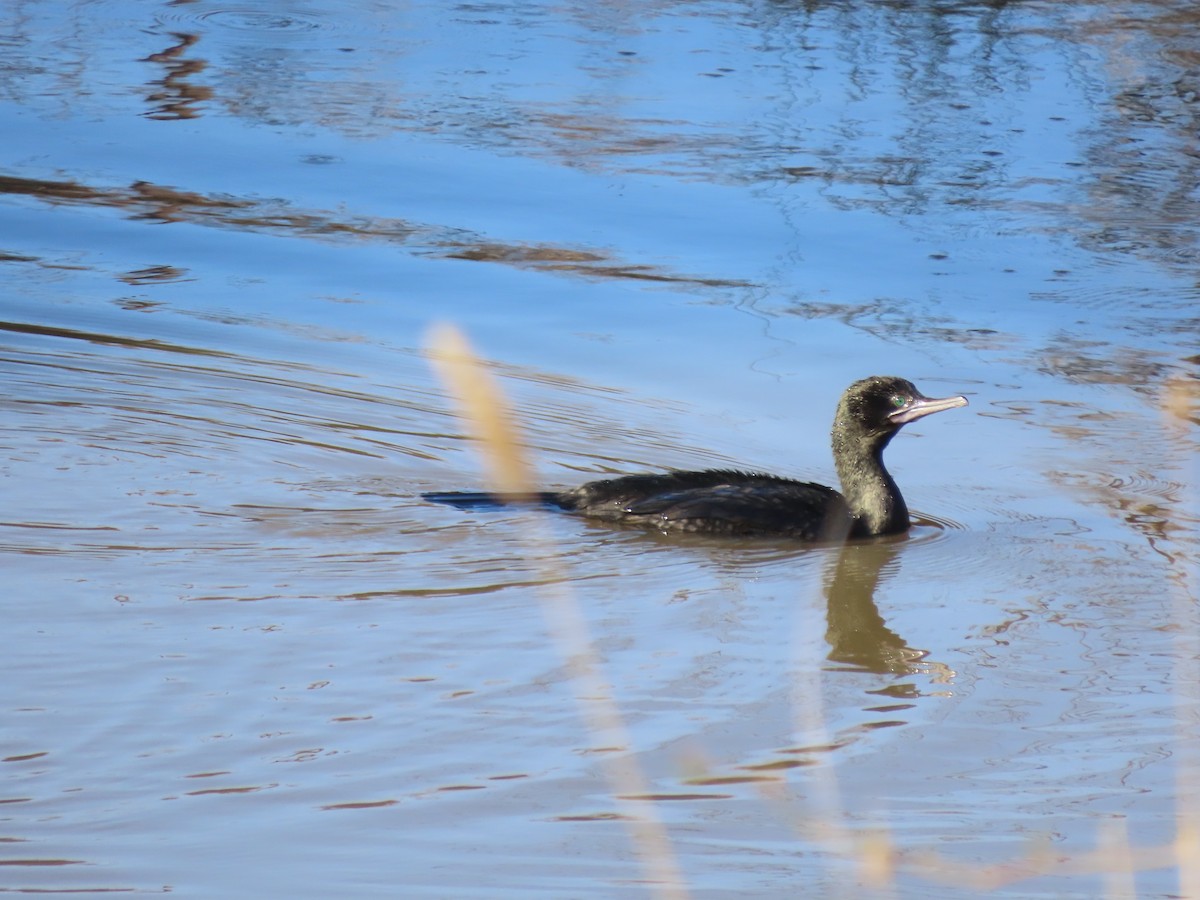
(178, 96)
(164, 204)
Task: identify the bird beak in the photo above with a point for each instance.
(924, 406)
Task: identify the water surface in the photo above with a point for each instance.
(246, 659)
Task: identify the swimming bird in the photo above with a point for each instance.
(736, 503)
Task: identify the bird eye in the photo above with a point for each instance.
(898, 400)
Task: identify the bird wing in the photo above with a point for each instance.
(803, 509)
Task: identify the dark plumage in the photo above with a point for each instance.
(726, 502)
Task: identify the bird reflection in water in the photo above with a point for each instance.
(858, 636)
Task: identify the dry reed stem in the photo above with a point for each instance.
(808, 703)
(1178, 404)
(483, 406)
(1113, 841)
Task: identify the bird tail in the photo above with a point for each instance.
(487, 500)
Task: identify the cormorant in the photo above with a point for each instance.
(730, 502)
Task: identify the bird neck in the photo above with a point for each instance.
(871, 494)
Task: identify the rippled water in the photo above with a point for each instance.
(246, 659)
